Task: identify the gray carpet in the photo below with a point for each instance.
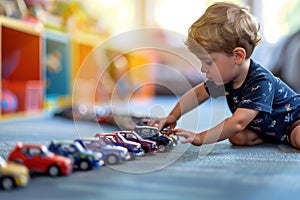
(219, 171)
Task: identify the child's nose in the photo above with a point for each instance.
(204, 69)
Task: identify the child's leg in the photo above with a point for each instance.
(295, 135)
(246, 138)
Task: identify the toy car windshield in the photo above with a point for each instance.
(120, 137)
(146, 135)
(2, 161)
(79, 147)
(149, 133)
(45, 151)
(135, 136)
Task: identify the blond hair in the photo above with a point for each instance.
(222, 28)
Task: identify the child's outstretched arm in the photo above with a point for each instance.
(187, 102)
(230, 126)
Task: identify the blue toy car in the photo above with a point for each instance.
(81, 158)
(111, 154)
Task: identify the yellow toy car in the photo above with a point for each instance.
(12, 175)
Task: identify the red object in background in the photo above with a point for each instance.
(38, 158)
(9, 101)
(29, 94)
(22, 71)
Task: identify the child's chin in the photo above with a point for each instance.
(219, 83)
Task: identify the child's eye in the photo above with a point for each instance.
(209, 63)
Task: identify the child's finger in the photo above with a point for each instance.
(161, 124)
(184, 141)
(179, 132)
(189, 137)
(153, 122)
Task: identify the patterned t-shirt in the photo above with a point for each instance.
(277, 103)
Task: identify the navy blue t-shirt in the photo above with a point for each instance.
(277, 103)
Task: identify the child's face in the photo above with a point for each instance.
(218, 67)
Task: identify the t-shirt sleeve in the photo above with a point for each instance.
(258, 93)
(214, 90)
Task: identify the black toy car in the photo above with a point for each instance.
(148, 132)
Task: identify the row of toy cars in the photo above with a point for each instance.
(111, 154)
(61, 157)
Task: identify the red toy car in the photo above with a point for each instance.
(38, 158)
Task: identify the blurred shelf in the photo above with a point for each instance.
(22, 78)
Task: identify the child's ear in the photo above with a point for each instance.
(239, 55)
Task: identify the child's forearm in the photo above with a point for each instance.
(222, 131)
(190, 100)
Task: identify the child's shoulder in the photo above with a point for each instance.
(260, 75)
(256, 70)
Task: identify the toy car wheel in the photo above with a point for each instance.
(162, 148)
(84, 165)
(7, 183)
(112, 159)
(145, 149)
(132, 156)
(53, 171)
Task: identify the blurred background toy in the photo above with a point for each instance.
(9, 101)
(13, 8)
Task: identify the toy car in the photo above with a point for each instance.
(172, 135)
(37, 157)
(148, 146)
(148, 132)
(12, 175)
(135, 149)
(81, 158)
(143, 121)
(111, 154)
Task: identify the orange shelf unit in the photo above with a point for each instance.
(96, 78)
(85, 68)
(21, 67)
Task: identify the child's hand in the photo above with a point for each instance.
(169, 121)
(189, 136)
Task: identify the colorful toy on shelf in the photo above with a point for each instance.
(9, 101)
(135, 149)
(38, 158)
(54, 61)
(13, 8)
(36, 8)
(12, 175)
(148, 146)
(81, 158)
(111, 154)
(147, 132)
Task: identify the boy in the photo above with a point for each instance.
(264, 109)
